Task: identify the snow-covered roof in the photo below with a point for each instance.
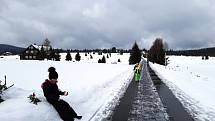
(36, 46)
(40, 46)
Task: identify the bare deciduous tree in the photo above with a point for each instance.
(157, 51)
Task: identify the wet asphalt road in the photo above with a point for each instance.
(140, 102)
(143, 101)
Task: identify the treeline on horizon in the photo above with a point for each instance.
(111, 50)
(194, 52)
(18, 50)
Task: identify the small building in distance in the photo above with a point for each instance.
(7, 53)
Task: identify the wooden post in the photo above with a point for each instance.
(165, 60)
(5, 81)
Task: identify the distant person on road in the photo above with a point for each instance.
(137, 70)
(52, 94)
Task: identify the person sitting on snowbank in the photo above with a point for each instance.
(52, 94)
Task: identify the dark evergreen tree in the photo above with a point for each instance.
(121, 52)
(119, 60)
(77, 57)
(91, 57)
(68, 56)
(107, 56)
(135, 54)
(85, 54)
(104, 50)
(56, 55)
(113, 49)
(100, 53)
(99, 61)
(206, 57)
(47, 42)
(103, 59)
(52, 54)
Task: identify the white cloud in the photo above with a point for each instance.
(94, 12)
(102, 23)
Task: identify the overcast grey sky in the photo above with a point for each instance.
(80, 24)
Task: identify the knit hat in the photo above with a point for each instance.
(52, 73)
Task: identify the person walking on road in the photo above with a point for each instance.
(52, 94)
(137, 70)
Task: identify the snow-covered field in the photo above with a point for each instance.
(192, 80)
(93, 87)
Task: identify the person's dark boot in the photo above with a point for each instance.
(78, 117)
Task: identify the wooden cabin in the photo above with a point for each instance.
(35, 52)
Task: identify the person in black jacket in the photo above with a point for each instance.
(52, 94)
